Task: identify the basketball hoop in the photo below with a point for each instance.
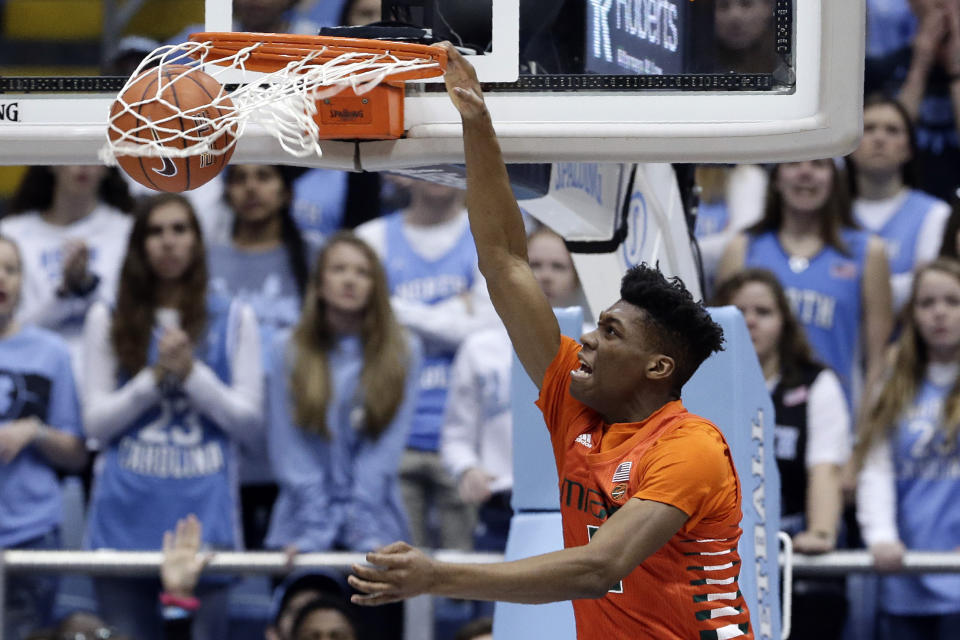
(307, 88)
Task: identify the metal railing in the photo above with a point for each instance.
(418, 613)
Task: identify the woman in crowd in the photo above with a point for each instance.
(884, 175)
(265, 265)
(40, 432)
(812, 440)
(72, 230)
(173, 381)
(341, 401)
(336, 440)
(909, 489)
(835, 275)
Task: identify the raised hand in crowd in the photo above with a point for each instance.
(183, 562)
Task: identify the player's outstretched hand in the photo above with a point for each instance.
(462, 84)
(400, 571)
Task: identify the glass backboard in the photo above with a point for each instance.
(566, 80)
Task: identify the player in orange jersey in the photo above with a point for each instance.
(649, 495)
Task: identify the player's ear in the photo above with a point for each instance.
(660, 367)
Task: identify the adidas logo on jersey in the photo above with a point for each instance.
(586, 440)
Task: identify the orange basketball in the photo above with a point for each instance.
(194, 93)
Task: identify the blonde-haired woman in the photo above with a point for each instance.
(909, 487)
(340, 404)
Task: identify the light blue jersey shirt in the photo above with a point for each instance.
(319, 198)
(341, 491)
(825, 293)
(416, 278)
(901, 231)
(265, 281)
(173, 460)
(36, 379)
(927, 471)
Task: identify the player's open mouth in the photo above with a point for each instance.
(585, 371)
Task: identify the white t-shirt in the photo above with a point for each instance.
(105, 231)
(478, 423)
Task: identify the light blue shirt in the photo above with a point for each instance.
(413, 277)
(36, 379)
(825, 296)
(928, 496)
(173, 460)
(341, 492)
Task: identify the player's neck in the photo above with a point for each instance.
(67, 209)
(639, 408)
(879, 186)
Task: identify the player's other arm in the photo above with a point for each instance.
(629, 537)
(498, 229)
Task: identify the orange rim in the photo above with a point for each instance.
(279, 49)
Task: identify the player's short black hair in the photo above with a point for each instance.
(682, 325)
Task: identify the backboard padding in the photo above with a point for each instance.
(820, 116)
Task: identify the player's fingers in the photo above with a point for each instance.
(370, 586)
(371, 574)
(453, 56)
(373, 601)
(394, 547)
(389, 560)
(469, 96)
(457, 63)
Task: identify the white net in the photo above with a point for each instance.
(284, 101)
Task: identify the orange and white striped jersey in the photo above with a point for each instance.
(688, 589)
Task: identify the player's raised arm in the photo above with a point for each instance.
(498, 229)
